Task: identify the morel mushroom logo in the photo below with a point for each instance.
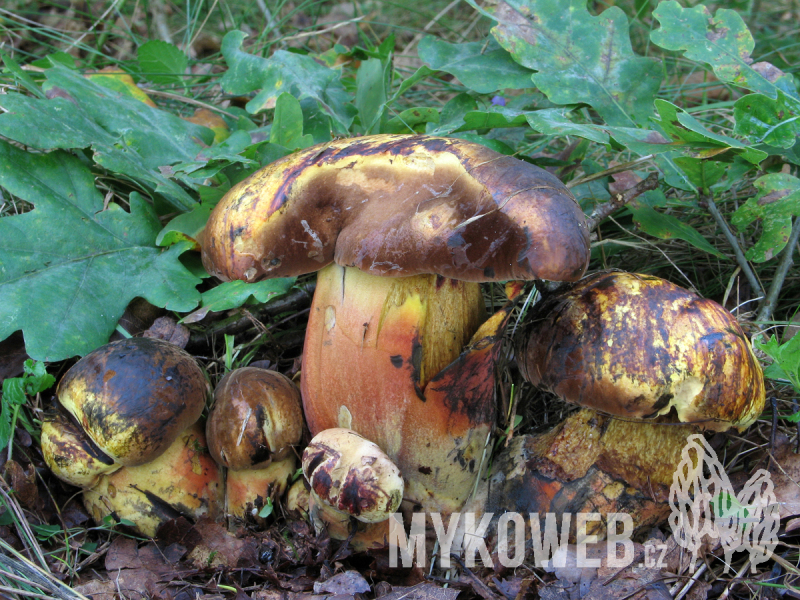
(703, 504)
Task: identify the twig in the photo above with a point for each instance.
(768, 304)
(602, 211)
(727, 591)
(267, 15)
(478, 586)
(186, 100)
(691, 581)
(291, 301)
(610, 171)
(94, 25)
(334, 27)
(427, 27)
(737, 249)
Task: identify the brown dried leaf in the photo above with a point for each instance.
(623, 181)
(23, 482)
(123, 554)
(634, 581)
(98, 590)
(219, 548)
(421, 591)
(12, 356)
(786, 477)
(169, 330)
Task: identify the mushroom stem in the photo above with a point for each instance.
(405, 363)
(591, 463)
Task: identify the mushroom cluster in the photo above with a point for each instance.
(398, 365)
(126, 431)
(643, 356)
(402, 228)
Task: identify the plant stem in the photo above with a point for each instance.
(296, 300)
(768, 303)
(737, 250)
(603, 210)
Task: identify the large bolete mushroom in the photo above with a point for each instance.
(643, 353)
(394, 350)
(254, 422)
(638, 346)
(120, 429)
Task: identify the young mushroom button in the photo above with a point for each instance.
(255, 421)
(394, 350)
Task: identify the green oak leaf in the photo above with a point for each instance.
(299, 75)
(471, 62)
(786, 360)
(723, 41)
(127, 136)
(412, 120)
(554, 121)
(668, 227)
(232, 294)
(495, 117)
(452, 114)
(373, 79)
(701, 142)
(69, 267)
(287, 126)
(777, 201)
(702, 173)
(162, 62)
(765, 120)
(580, 58)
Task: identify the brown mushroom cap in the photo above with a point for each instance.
(399, 205)
(256, 417)
(638, 346)
(134, 397)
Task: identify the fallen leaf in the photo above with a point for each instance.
(169, 330)
(421, 591)
(12, 356)
(622, 181)
(349, 582)
(207, 118)
(98, 590)
(23, 482)
(786, 477)
(219, 548)
(123, 554)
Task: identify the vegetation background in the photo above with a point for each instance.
(101, 200)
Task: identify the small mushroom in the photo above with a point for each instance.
(134, 397)
(352, 475)
(122, 423)
(254, 422)
(394, 349)
(638, 346)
